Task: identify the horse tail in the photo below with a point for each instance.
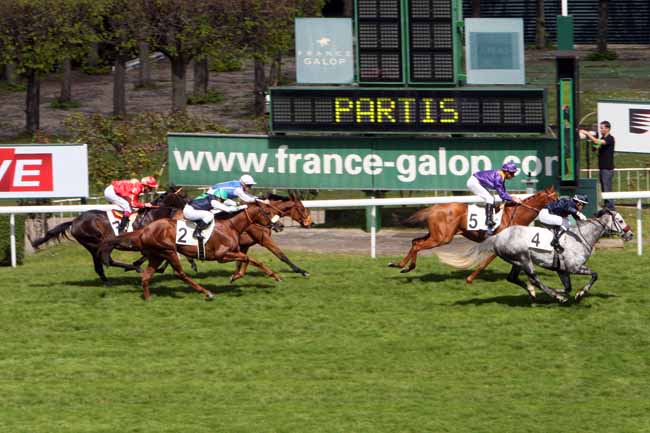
(126, 241)
(417, 219)
(465, 255)
(58, 232)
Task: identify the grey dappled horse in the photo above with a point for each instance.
(512, 245)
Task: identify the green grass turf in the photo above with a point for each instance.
(357, 347)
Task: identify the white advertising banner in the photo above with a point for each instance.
(43, 171)
(630, 122)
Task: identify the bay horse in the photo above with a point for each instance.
(514, 246)
(447, 220)
(92, 227)
(157, 242)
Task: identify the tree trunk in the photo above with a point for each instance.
(603, 14)
(93, 54)
(260, 88)
(348, 8)
(10, 73)
(119, 87)
(33, 102)
(145, 65)
(540, 31)
(476, 8)
(66, 82)
(201, 76)
(276, 70)
(179, 95)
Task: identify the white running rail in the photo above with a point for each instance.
(371, 203)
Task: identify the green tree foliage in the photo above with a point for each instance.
(36, 35)
(264, 30)
(130, 148)
(184, 30)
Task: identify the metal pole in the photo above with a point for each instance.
(639, 228)
(565, 8)
(12, 239)
(373, 231)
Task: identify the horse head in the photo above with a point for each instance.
(542, 198)
(174, 197)
(292, 207)
(614, 223)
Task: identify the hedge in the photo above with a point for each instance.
(5, 242)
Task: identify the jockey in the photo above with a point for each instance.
(202, 209)
(125, 193)
(479, 182)
(555, 214)
(237, 189)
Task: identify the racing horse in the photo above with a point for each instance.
(157, 242)
(92, 227)
(514, 246)
(446, 220)
(256, 234)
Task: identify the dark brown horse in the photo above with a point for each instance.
(157, 242)
(447, 220)
(92, 227)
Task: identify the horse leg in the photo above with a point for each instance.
(148, 273)
(532, 277)
(513, 277)
(425, 244)
(241, 267)
(193, 264)
(270, 245)
(481, 266)
(99, 269)
(407, 258)
(594, 276)
(241, 257)
(565, 277)
(175, 263)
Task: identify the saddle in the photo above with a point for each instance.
(115, 216)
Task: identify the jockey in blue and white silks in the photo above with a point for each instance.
(556, 214)
(202, 209)
(480, 182)
(237, 188)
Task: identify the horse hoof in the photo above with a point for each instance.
(405, 270)
(209, 296)
(305, 274)
(392, 265)
(562, 299)
(469, 280)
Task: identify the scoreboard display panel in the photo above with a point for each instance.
(431, 41)
(379, 41)
(408, 110)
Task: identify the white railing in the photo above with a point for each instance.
(372, 203)
(625, 179)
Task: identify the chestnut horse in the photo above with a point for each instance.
(92, 227)
(257, 234)
(157, 242)
(446, 220)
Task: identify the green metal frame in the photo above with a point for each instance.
(567, 128)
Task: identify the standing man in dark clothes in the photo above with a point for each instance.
(605, 146)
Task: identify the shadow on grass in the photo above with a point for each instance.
(486, 275)
(524, 301)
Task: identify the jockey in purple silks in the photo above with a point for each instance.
(481, 181)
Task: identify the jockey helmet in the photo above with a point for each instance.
(509, 167)
(149, 181)
(247, 179)
(581, 198)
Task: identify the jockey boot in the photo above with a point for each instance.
(557, 234)
(124, 223)
(200, 226)
(489, 218)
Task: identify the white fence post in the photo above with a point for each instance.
(373, 231)
(12, 238)
(639, 228)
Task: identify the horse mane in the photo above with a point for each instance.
(276, 197)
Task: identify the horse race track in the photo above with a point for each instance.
(357, 347)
